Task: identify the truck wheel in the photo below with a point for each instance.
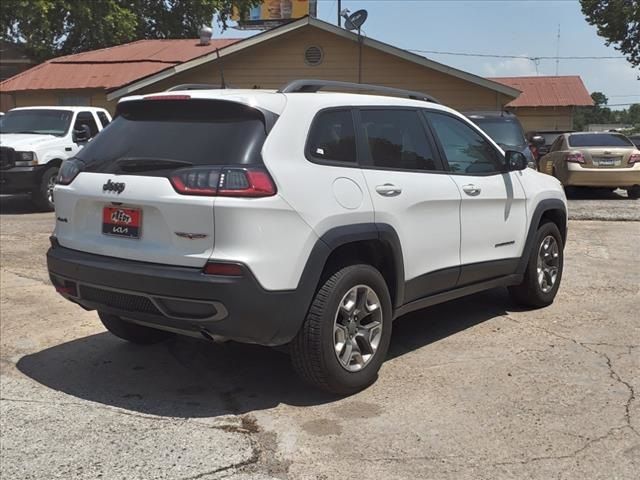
(633, 192)
(43, 196)
(544, 269)
(345, 337)
(132, 332)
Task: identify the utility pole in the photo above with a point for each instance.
(339, 10)
(558, 52)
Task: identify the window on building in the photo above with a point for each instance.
(74, 100)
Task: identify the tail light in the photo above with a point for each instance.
(634, 158)
(69, 171)
(534, 151)
(575, 157)
(226, 269)
(223, 182)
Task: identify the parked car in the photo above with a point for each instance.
(543, 147)
(34, 141)
(635, 139)
(505, 129)
(297, 218)
(601, 160)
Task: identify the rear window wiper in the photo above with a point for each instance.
(142, 164)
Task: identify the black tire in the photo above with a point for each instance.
(132, 332)
(41, 197)
(634, 192)
(313, 350)
(530, 292)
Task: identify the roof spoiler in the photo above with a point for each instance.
(312, 86)
(196, 86)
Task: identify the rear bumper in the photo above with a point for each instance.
(178, 298)
(592, 177)
(20, 179)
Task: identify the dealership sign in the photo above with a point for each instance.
(273, 13)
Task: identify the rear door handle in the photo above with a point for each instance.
(471, 190)
(388, 190)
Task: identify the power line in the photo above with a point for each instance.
(533, 59)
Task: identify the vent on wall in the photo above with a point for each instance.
(313, 55)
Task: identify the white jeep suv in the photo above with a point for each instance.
(298, 218)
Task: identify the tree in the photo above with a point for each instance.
(599, 99)
(48, 28)
(618, 21)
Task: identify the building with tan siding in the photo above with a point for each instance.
(547, 102)
(306, 48)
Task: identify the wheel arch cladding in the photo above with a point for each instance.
(551, 209)
(370, 243)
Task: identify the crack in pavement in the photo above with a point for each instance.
(612, 373)
(25, 277)
(562, 457)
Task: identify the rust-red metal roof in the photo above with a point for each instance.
(565, 91)
(111, 67)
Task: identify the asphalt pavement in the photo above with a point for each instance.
(472, 389)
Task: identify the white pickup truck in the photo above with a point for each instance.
(35, 140)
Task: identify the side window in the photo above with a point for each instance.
(86, 118)
(557, 144)
(332, 137)
(103, 119)
(397, 139)
(466, 150)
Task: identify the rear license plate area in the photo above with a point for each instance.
(122, 222)
(608, 162)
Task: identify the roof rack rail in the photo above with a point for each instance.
(312, 86)
(195, 86)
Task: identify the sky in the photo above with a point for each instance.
(507, 27)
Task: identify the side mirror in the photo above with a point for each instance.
(515, 160)
(538, 140)
(81, 135)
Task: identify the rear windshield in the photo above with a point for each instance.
(187, 132)
(599, 140)
(503, 131)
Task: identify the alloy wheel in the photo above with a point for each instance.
(548, 263)
(357, 328)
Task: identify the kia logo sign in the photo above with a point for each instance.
(115, 187)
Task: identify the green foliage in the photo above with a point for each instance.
(48, 28)
(600, 113)
(618, 21)
(599, 99)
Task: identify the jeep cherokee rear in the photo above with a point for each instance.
(297, 218)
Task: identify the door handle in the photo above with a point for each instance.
(471, 190)
(388, 190)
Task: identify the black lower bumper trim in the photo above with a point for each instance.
(153, 293)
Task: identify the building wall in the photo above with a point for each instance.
(545, 118)
(33, 98)
(278, 61)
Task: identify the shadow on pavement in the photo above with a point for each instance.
(583, 193)
(16, 205)
(188, 378)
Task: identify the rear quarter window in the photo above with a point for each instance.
(332, 137)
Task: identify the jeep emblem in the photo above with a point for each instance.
(117, 187)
